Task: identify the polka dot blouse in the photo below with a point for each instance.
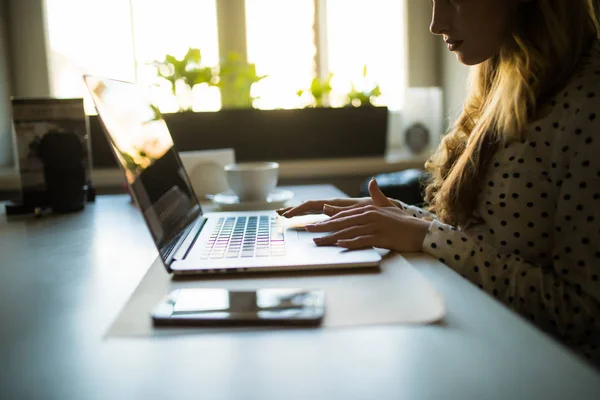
(538, 249)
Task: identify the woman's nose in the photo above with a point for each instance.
(439, 20)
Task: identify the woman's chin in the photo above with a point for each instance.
(469, 59)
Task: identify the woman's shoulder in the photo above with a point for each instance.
(578, 96)
(569, 123)
(584, 85)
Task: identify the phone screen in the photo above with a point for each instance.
(257, 306)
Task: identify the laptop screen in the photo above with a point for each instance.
(144, 147)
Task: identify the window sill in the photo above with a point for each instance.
(317, 168)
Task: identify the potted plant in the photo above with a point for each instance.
(364, 92)
(317, 131)
(184, 74)
(235, 77)
(318, 91)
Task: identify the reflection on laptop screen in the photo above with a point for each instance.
(143, 145)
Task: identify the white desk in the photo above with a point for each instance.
(63, 280)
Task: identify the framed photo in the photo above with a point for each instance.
(49, 130)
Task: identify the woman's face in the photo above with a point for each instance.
(473, 29)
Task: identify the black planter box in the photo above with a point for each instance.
(259, 135)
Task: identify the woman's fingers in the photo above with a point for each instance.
(315, 207)
(336, 210)
(362, 209)
(360, 242)
(308, 207)
(348, 233)
(283, 210)
(349, 211)
(379, 199)
(342, 223)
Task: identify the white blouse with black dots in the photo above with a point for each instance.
(538, 249)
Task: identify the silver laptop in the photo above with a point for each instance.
(188, 241)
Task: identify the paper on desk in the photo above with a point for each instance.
(398, 294)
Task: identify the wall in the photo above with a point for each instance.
(454, 81)
(22, 50)
(423, 56)
(430, 63)
(27, 48)
(6, 158)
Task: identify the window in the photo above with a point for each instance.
(281, 43)
(287, 40)
(367, 33)
(120, 39)
(161, 28)
(88, 36)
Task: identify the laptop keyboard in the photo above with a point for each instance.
(244, 237)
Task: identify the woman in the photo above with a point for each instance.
(514, 194)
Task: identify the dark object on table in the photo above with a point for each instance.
(404, 186)
(66, 191)
(64, 171)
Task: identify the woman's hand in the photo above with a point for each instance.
(378, 223)
(372, 226)
(329, 207)
(332, 207)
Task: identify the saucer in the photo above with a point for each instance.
(228, 201)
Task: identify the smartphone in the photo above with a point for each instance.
(220, 307)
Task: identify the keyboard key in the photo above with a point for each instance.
(245, 237)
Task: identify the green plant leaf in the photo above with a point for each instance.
(376, 91)
(156, 111)
(193, 56)
(235, 80)
(169, 59)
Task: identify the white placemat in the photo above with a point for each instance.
(395, 294)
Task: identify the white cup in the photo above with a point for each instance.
(252, 181)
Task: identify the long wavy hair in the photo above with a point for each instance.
(548, 40)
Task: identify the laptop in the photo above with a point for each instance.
(189, 241)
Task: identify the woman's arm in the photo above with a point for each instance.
(563, 297)
(541, 294)
(415, 211)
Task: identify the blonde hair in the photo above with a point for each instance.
(548, 40)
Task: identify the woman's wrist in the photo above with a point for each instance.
(422, 228)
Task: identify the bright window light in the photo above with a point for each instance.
(367, 33)
(162, 28)
(281, 43)
(122, 38)
(88, 36)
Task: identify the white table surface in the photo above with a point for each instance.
(63, 280)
